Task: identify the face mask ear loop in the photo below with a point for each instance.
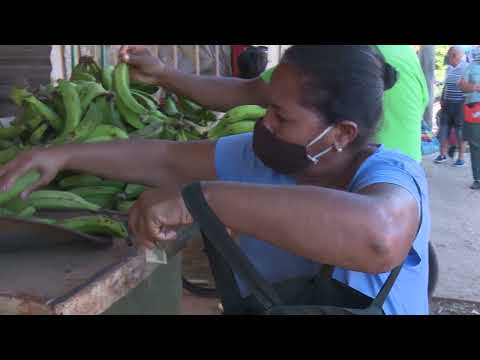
(319, 137)
(315, 158)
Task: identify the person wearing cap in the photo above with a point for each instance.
(452, 102)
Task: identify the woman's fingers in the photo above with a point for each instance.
(8, 179)
(152, 223)
(167, 233)
(132, 54)
(138, 226)
(125, 52)
(43, 181)
(149, 233)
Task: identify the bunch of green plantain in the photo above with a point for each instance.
(100, 105)
(11, 205)
(237, 121)
(94, 105)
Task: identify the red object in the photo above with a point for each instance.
(452, 139)
(472, 113)
(236, 51)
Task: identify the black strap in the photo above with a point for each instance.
(215, 231)
(327, 271)
(387, 286)
(225, 282)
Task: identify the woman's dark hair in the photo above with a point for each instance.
(252, 62)
(344, 82)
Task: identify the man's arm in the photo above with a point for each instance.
(369, 232)
(468, 87)
(465, 85)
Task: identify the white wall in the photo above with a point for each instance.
(61, 64)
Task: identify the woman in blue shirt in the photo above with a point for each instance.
(306, 188)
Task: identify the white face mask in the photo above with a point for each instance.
(315, 159)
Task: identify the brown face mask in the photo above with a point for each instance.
(281, 156)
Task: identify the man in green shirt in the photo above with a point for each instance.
(404, 104)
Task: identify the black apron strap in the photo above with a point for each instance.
(387, 286)
(216, 233)
(327, 270)
(225, 282)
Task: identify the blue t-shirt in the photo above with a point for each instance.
(453, 75)
(472, 75)
(236, 161)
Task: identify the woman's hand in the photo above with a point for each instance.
(157, 215)
(144, 67)
(47, 162)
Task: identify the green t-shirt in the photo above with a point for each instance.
(404, 104)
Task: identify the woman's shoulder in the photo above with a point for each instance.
(382, 155)
(390, 166)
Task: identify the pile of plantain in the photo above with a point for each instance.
(100, 105)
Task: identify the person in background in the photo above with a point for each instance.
(468, 53)
(236, 51)
(470, 84)
(252, 62)
(452, 102)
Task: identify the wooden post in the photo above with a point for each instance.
(103, 57)
(63, 62)
(175, 57)
(217, 60)
(157, 47)
(197, 59)
(73, 56)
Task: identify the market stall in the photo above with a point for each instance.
(80, 278)
(91, 99)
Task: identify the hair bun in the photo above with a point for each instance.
(390, 76)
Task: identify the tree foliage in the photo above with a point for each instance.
(440, 67)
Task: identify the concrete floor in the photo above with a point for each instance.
(455, 229)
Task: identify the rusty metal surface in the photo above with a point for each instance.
(56, 272)
(24, 305)
(108, 287)
(70, 277)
